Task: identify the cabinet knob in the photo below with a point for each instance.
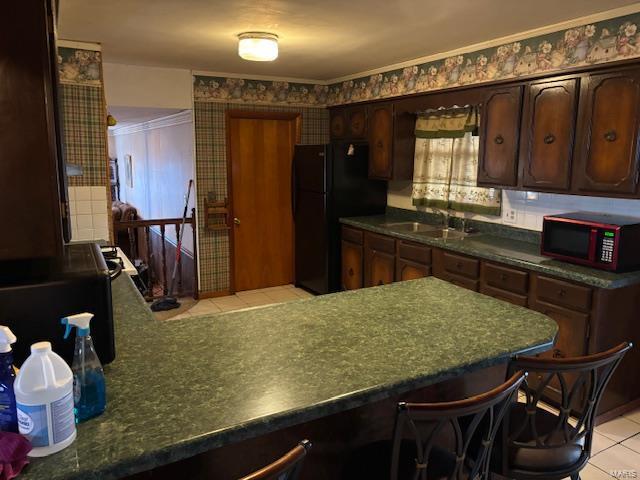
(557, 353)
(549, 139)
(379, 144)
(562, 292)
(499, 139)
(503, 277)
(610, 136)
(236, 220)
(459, 265)
(351, 272)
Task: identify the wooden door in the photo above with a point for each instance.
(499, 137)
(610, 116)
(548, 130)
(260, 156)
(381, 141)
(352, 261)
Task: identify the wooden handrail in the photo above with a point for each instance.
(152, 222)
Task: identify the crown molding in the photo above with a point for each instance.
(179, 118)
(96, 47)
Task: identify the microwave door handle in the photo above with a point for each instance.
(593, 244)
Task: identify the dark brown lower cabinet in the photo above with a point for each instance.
(352, 260)
(589, 319)
(379, 259)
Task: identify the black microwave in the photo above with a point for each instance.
(607, 242)
(35, 295)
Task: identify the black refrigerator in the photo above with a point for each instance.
(329, 182)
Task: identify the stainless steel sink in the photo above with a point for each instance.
(412, 227)
(448, 234)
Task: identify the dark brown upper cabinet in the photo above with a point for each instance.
(548, 133)
(338, 123)
(499, 137)
(32, 189)
(357, 126)
(610, 116)
(381, 141)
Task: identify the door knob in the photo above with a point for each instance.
(236, 220)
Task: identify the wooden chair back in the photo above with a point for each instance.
(474, 418)
(287, 467)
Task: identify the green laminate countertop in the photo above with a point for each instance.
(181, 387)
(501, 249)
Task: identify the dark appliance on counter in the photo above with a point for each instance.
(34, 297)
(329, 182)
(607, 242)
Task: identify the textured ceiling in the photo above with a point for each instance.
(319, 39)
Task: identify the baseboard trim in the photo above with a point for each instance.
(616, 412)
(219, 293)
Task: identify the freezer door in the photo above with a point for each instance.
(311, 241)
(310, 168)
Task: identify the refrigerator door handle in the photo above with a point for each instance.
(294, 192)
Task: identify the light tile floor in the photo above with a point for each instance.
(615, 451)
(246, 299)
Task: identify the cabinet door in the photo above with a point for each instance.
(338, 123)
(357, 122)
(610, 118)
(381, 141)
(380, 268)
(408, 270)
(499, 137)
(548, 134)
(351, 266)
(572, 341)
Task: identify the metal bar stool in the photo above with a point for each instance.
(287, 467)
(539, 444)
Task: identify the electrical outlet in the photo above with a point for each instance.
(509, 215)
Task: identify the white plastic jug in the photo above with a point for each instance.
(44, 398)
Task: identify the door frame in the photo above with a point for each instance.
(260, 115)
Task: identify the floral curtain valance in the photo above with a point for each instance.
(446, 165)
(447, 123)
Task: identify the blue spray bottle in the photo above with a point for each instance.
(8, 413)
(89, 392)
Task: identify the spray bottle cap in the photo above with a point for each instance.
(80, 321)
(6, 339)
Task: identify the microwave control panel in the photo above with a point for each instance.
(607, 241)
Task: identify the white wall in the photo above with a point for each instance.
(163, 162)
(138, 86)
(528, 207)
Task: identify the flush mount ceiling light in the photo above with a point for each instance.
(258, 46)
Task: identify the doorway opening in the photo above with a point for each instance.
(260, 149)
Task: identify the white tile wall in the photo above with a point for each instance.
(89, 213)
(526, 209)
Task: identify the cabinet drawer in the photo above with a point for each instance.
(460, 265)
(500, 294)
(352, 235)
(460, 281)
(505, 278)
(381, 243)
(414, 252)
(565, 294)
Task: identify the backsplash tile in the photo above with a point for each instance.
(529, 207)
(89, 211)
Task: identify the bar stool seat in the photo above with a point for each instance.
(535, 459)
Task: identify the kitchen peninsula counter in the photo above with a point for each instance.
(181, 387)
